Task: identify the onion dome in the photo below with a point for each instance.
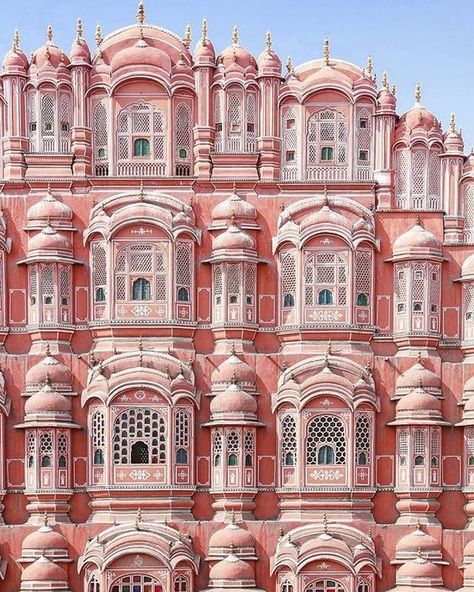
(80, 52)
(418, 408)
(387, 100)
(269, 64)
(50, 211)
(49, 244)
(49, 56)
(234, 205)
(419, 572)
(233, 239)
(182, 69)
(453, 141)
(204, 53)
(181, 383)
(44, 541)
(233, 570)
(236, 58)
(419, 118)
(48, 402)
(233, 368)
(469, 164)
(234, 405)
(467, 269)
(138, 57)
(15, 61)
(409, 547)
(414, 377)
(232, 539)
(51, 369)
(45, 571)
(417, 243)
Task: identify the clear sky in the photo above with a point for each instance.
(427, 40)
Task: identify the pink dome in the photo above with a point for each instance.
(469, 164)
(43, 570)
(140, 55)
(234, 401)
(49, 209)
(235, 55)
(420, 118)
(326, 216)
(469, 549)
(48, 369)
(387, 100)
(182, 68)
(327, 377)
(417, 376)
(204, 52)
(418, 400)
(268, 61)
(417, 241)
(233, 368)
(47, 401)
(80, 52)
(417, 541)
(236, 206)
(231, 568)
(469, 572)
(15, 59)
(453, 142)
(50, 55)
(467, 269)
(419, 568)
(45, 538)
(180, 383)
(232, 536)
(49, 240)
(233, 238)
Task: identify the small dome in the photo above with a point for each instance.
(232, 568)
(467, 269)
(139, 55)
(326, 216)
(15, 60)
(453, 142)
(325, 377)
(233, 238)
(420, 118)
(80, 52)
(49, 369)
(182, 68)
(419, 568)
(469, 552)
(469, 164)
(416, 541)
(417, 376)
(387, 100)
(232, 536)
(43, 570)
(44, 539)
(234, 402)
(235, 55)
(204, 52)
(417, 242)
(49, 242)
(418, 408)
(233, 368)
(180, 383)
(235, 206)
(269, 64)
(49, 209)
(47, 401)
(49, 56)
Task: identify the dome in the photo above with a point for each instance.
(418, 408)
(233, 368)
(420, 118)
(326, 377)
(469, 552)
(469, 164)
(232, 536)
(419, 568)
(387, 99)
(453, 142)
(417, 242)
(233, 238)
(467, 269)
(204, 52)
(468, 390)
(469, 572)
(80, 52)
(231, 568)
(49, 369)
(234, 402)
(44, 539)
(49, 56)
(326, 216)
(416, 541)
(43, 570)
(235, 55)
(234, 206)
(268, 62)
(49, 242)
(48, 402)
(140, 55)
(417, 376)
(15, 60)
(468, 412)
(49, 209)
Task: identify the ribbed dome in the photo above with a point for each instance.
(232, 536)
(49, 369)
(231, 568)
(45, 538)
(139, 55)
(47, 401)
(453, 142)
(387, 100)
(419, 568)
(237, 55)
(235, 206)
(204, 52)
(417, 376)
(49, 240)
(234, 402)
(15, 59)
(417, 241)
(43, 570)
(419, 118)
(233, 238)
(416, 541)
(80, 52)
(233, 368)
(418, 408)
(49, 209)
(269, 63)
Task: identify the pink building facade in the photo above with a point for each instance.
(236, 324)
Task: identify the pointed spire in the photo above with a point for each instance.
(204, 30)
(235, 35)
(326, 50)
(48, 349)
(289, 66)
(418, 93)
(232, 520)
(370, 67)
(385, 81)
(452, 123)
(418, 357)
(187, 36)
(325, 523)
(268, 42)
(45, 519)
(79, 29)
(140, 350)
(98, 34)
(16, 41)
(394, 90)
(49, 34)
(141, 196)
(47, 379)
(141, 13)
(138, 519)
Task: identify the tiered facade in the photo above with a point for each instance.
(237, 324)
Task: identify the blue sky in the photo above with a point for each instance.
(427, 40)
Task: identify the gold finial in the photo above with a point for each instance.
(232, 520)
(235, 35)
(290, 66)
(394, 90)
(98, 34)
(138, 519)
(326, 197)
(418, 357)
(232, 348)
(204, 30)
(49, 34)
(418, 93)
(419, 552)
(140, 349)
(187, 35)
(326, 50)
(48, 349)
(16, 41)
(233, 380)
(370, 67)
(47, 53)
(385, 81)
(329, 348)
(47, 379)
(142, 191)
(268, 41)
(45, 519)
(325, 522)
(141, 13)
(452, 123)
(79, 28)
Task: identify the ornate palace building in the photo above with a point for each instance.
(237, 324)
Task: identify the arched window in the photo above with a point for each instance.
(288, 440)
(217, 449)
(286, 586)
(99, 278)
(48, 121)
(137, 583)
(32, 120)
(290, 144)
(326, 441)
(233, 460)
(184, 257)
(182, 140)
(364, 144)
(65, 122)
(402, 159)
(98, 437)
(180, 584)
(181, 457)
(325, 279)
(141, 289)
(324, 586)
(363, 438)
(100, 135)
(326, 144)
(234, 122)
(288, 283)
(94, 585)
(141, 140)
(251, 116)
(182, 436)
(139, 436)
(47, 284)
(46, 461)
(325, 297)
(233, 448)
(419, 447)
(46, 449)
